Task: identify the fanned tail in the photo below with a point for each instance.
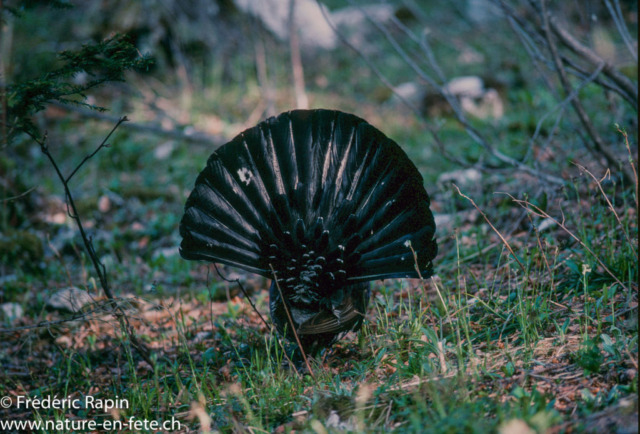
(322, 196)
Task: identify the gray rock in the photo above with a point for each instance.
(489, 105)
(483, 12)
(167, 252)
(163, 151)
(11, 312)
(334, 422)
(474, 98)
(471, 86)
(8, 278)
(355, 17)
(313, 28)
(546, 224)
(69, 299)
(409, 91)
(461, 178)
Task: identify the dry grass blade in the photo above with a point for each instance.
(631, 160)
(420, 381)
(598, 182)
(506, 243)
(255, 309)
(8, 199)
(424, 289)
(538, 212)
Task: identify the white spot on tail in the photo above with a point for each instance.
(407, 243)
(245, 175)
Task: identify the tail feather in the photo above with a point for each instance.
(216, 177)
(196, 245)
(213, 204)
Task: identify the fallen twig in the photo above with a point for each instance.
(195, 137)
(78, 316)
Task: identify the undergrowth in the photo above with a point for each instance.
(537, 330)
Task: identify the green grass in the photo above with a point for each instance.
(483, 343)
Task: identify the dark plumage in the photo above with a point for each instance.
(325, 199)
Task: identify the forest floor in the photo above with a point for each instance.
(544, 341)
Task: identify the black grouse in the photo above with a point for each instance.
(323, 199)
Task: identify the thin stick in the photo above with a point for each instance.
(562, 104)
(104, 144)
(442, 90)
(100, 269)
(195, 137)
(293, 328)
(246, 295)
(590, 55)
(529, 37)
(261, 71)
(616, 14)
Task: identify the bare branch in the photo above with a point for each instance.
(261, 71)
(618, 19)
(588, 54)
(86, 316)
(100, 269)
(104, 144)
(600, 146)
(471, 131)
(531, 38)
(563, 104)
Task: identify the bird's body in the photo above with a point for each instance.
(323, 201)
